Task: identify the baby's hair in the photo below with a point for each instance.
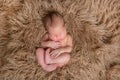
(50, 15)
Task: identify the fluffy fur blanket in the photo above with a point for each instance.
(93, 24)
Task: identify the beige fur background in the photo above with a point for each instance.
(93, 24)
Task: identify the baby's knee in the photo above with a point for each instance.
(39, 50)
(66, 58)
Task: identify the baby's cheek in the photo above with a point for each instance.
(53, 38)
(64, 36)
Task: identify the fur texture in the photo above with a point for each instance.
(93, 24)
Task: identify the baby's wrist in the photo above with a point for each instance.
(61, 51)
(48, 44)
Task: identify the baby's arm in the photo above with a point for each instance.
(68, 47)
(45, 43)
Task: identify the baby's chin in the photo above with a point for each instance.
(60, 39)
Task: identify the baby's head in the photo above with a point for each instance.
(55, 26)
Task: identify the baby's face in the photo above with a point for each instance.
(57, 30)
(57, 33)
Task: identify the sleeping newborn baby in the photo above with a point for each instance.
(56, 44)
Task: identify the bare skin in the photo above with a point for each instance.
(57, 45)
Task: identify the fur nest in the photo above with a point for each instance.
(93, 24)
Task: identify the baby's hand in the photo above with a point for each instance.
(55, 53)
(54, 44)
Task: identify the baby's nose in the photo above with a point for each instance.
(57, 38)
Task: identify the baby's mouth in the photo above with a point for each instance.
(60, 40)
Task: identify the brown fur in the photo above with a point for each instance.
(93, 24)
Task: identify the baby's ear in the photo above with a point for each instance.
(65, 25)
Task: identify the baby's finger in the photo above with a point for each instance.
(57, 55)
(47, 51)
(52, 55)
(58, 45)
(58, 42)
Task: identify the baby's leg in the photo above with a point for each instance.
(60, 60)
(40, 56)
(47, 56)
